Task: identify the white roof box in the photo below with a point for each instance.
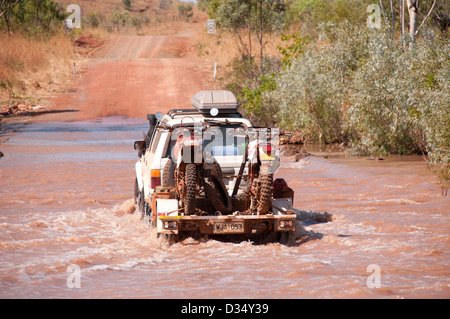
(224, 101)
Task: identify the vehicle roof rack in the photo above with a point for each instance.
(224, 101)
(174, 112)
(183, 112)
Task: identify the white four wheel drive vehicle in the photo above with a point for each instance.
(207, 170)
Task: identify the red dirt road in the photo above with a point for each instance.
(133, 76)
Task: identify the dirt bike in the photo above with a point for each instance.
(261, 171)
(263, 162)
(193, 172)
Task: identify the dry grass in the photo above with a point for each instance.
(32, 68)
(224, 47)
(19, 55)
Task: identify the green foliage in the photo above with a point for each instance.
(241, 72)
(247, 18)
(127, 4)
(394, 107)
(291, 51)
(233, 15)
(93, 20)
(136, 22)
(119, 19)
(185, 10)
(34, 17)
(209, 6)
(255, 97)
(309, 95)
(364, 89)
(355, 84)
(316, 12)
(254, 103)
(243, 77)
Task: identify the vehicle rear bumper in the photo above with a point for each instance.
(225, 225)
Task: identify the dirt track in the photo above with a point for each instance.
(134, 76)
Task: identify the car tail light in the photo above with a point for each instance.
(267, 148)
(155, 178)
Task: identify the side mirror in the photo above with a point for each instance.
(139, 145)
(159, 115)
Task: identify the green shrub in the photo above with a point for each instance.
(185, 10)
(363, 88)
(119, 19)
(35, 18)
(127, 4)
(93, 20)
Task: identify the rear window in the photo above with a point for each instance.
(220, 140)
(225, 140)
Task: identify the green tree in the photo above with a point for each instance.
(6, 10)
(36, 17)
(255, 95)
(244, 18)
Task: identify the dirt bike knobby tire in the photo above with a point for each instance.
(190, 184)
(266, 190)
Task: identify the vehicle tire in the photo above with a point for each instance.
(168, 179)
(190, 185)
(216, 192)
(142, 208)
(211, 163)
(266, 190)
(286, 238)
(136, 193)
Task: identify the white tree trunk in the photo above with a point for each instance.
(412, 11)
(402, 21)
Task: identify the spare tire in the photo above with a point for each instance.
(168, 179)
(214, 187)
(210, 164)
(216, 192)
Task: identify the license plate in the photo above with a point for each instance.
(228, 227)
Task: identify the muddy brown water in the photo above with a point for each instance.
(66, 205)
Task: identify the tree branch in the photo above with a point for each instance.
(426, 17)
(382, 10)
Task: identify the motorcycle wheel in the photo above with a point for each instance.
(266, 190)
(190, 184)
